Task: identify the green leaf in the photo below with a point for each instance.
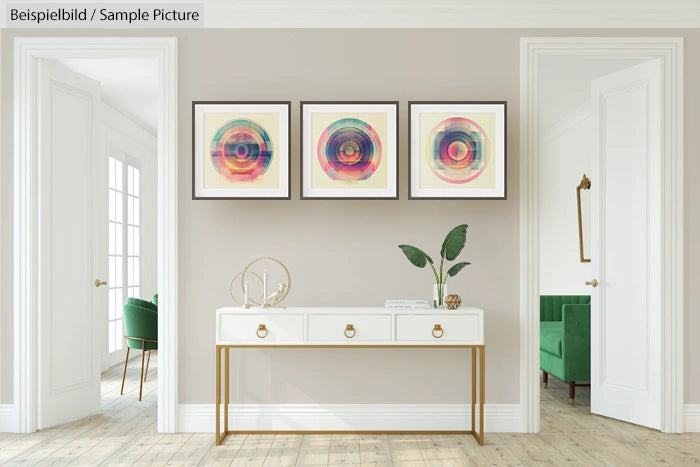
(454, 270)
(416, 255)
(454, 242)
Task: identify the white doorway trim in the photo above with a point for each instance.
(670, 51)
(28, 50)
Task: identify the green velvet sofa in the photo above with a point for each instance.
(565, 339)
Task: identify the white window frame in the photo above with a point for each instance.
(127, 161)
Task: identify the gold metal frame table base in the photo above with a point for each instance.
(479, 436)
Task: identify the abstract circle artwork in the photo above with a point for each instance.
(457, 150)
(241, 150)
(349, 150)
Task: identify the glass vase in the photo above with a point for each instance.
(439, 294)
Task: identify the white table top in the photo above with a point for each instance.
(328, 310)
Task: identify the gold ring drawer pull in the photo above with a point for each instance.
(262, 328)
(438, 329)
(348, 329)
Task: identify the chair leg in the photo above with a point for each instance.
(148, 361)
(572, 392)
(124, 376)
(545, 378)
(143, 354)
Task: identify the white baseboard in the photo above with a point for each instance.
(8, 418)
(692, 418)
(201, 418)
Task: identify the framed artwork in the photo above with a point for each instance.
(457, 150)
(240, 150)
(349, 150)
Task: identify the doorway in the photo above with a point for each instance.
(128, 149)
(31, 56)
(579, 98)
(537, 54)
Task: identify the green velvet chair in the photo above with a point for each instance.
(141, 328)
(565, 339)
(143, 303)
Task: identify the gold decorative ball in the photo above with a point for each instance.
(453, 301)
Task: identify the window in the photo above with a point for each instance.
(124, 243)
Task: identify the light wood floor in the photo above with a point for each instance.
(125, 433)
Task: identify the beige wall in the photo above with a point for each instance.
(344, 252)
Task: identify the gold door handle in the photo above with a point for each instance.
(99, 282)
(592, 283)
(436, 329)
(262, 328)
(584, 185)
(348, 329)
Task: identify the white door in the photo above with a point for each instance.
(73, 243)
(625, 245)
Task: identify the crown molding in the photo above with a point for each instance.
(453, 14)
(558, 14)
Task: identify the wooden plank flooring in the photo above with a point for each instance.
(125, 433)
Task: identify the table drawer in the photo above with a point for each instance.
(261, 329)
(439, 328)
(349, 328)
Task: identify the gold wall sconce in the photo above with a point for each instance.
(584, 185)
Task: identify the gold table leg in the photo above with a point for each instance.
(473, 388)
(226, 389)
(218, 395)
(482, 383)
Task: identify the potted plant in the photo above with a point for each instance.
(451, 248)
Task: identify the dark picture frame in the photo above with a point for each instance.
(207, 184)
(317, 181)
(457, 129)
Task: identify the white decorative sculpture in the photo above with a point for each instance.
(277, 295)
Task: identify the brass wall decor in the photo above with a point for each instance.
(231, 287)
(584, 185)
(265, 298)
(453, 301)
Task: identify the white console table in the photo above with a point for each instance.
(324, 327)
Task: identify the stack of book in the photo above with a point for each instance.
(407, 304)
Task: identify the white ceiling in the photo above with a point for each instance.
(128, 84)
(438, 13)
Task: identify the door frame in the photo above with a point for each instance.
(27, 223)
(670, 51)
